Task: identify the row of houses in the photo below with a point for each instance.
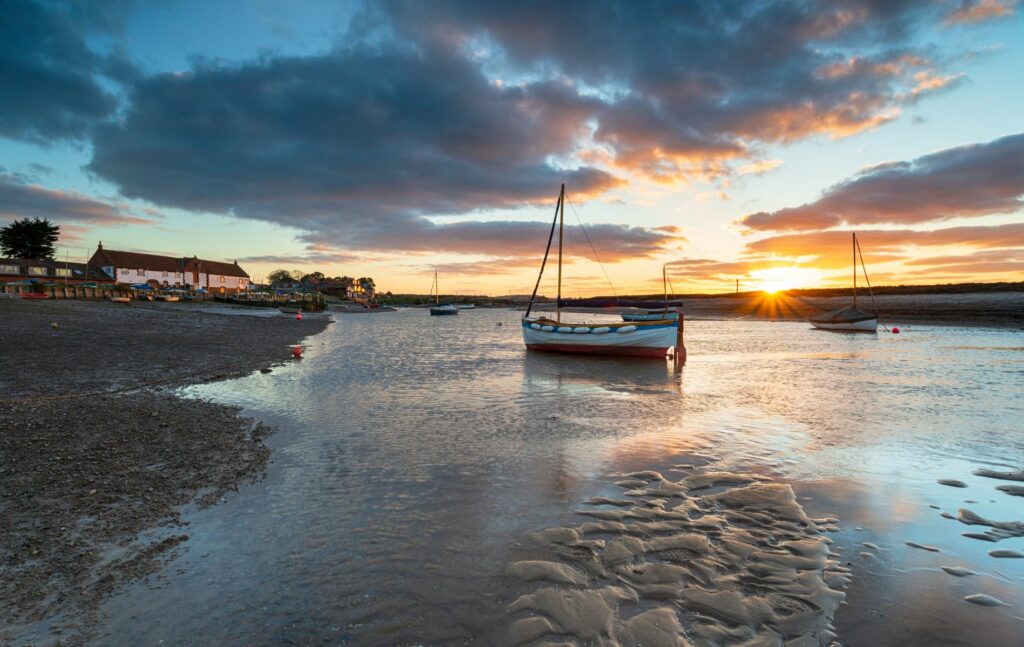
(170, 271)
(132, 268)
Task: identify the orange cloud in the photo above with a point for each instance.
(977, 11)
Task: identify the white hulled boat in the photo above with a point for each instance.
(849, 319)
(639, 339)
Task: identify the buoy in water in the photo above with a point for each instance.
(298, 315)
(895, 330)
(296, 351)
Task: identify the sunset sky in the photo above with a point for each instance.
(728, 139)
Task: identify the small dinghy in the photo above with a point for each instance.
(124, 300)
(851, 318)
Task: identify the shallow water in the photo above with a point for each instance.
(417, 455)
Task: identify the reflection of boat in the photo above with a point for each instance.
(438, 309)
(850, 319)
(641, 339)
(34, 295)
(466, 306)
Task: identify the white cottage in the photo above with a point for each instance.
(169, 271)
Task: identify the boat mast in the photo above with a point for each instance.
(437, 289)
(544, 262)
(854, 246)
(561, 226)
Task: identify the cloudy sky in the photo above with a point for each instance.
(728, 139)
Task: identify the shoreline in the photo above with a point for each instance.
(101, 454)
(1004, 310)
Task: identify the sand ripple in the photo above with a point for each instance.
(739, 564)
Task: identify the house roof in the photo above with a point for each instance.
(158, 263)
(219, 267)
(138, 260)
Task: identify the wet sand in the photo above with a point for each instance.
(97, 457)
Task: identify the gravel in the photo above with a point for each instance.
(98, 454)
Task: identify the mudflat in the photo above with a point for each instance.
(98, 454)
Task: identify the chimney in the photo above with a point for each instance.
(100, 246)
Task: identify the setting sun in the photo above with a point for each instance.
(785, 278)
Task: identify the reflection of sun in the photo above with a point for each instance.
(774, 279)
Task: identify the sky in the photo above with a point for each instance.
(723, 141)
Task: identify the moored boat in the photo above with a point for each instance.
(439, 309)
(124, 300)
(290, 310)
(640, 339)
(851, 318)
(649, 316)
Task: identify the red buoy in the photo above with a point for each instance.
(296, 351)
(299, 315)
(895, 330)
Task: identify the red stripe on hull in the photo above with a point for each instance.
(581, 349)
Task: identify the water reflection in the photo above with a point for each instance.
(415, 453)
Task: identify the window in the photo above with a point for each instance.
(165, 273)
(222, 279)
(9, 269)
(37, 271)
(177, 275)
(63, 271)
(141, 272)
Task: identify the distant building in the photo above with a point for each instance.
(47, 271)
(170, 271)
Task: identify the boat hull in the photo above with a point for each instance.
(865, 325)
(442, 311)
(653, 340)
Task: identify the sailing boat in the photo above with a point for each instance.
(437, 309)
(639, 339)
(850, 319)
(653, 315)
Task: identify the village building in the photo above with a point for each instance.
(48, 271)
(194, 273)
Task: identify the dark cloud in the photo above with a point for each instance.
(975, 180)
(49, 75)
(353, 148)
(687, 86)
(458, 107)
(19, 199)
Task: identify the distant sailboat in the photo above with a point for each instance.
(438, 309)
(849, 319)
(640, 339)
